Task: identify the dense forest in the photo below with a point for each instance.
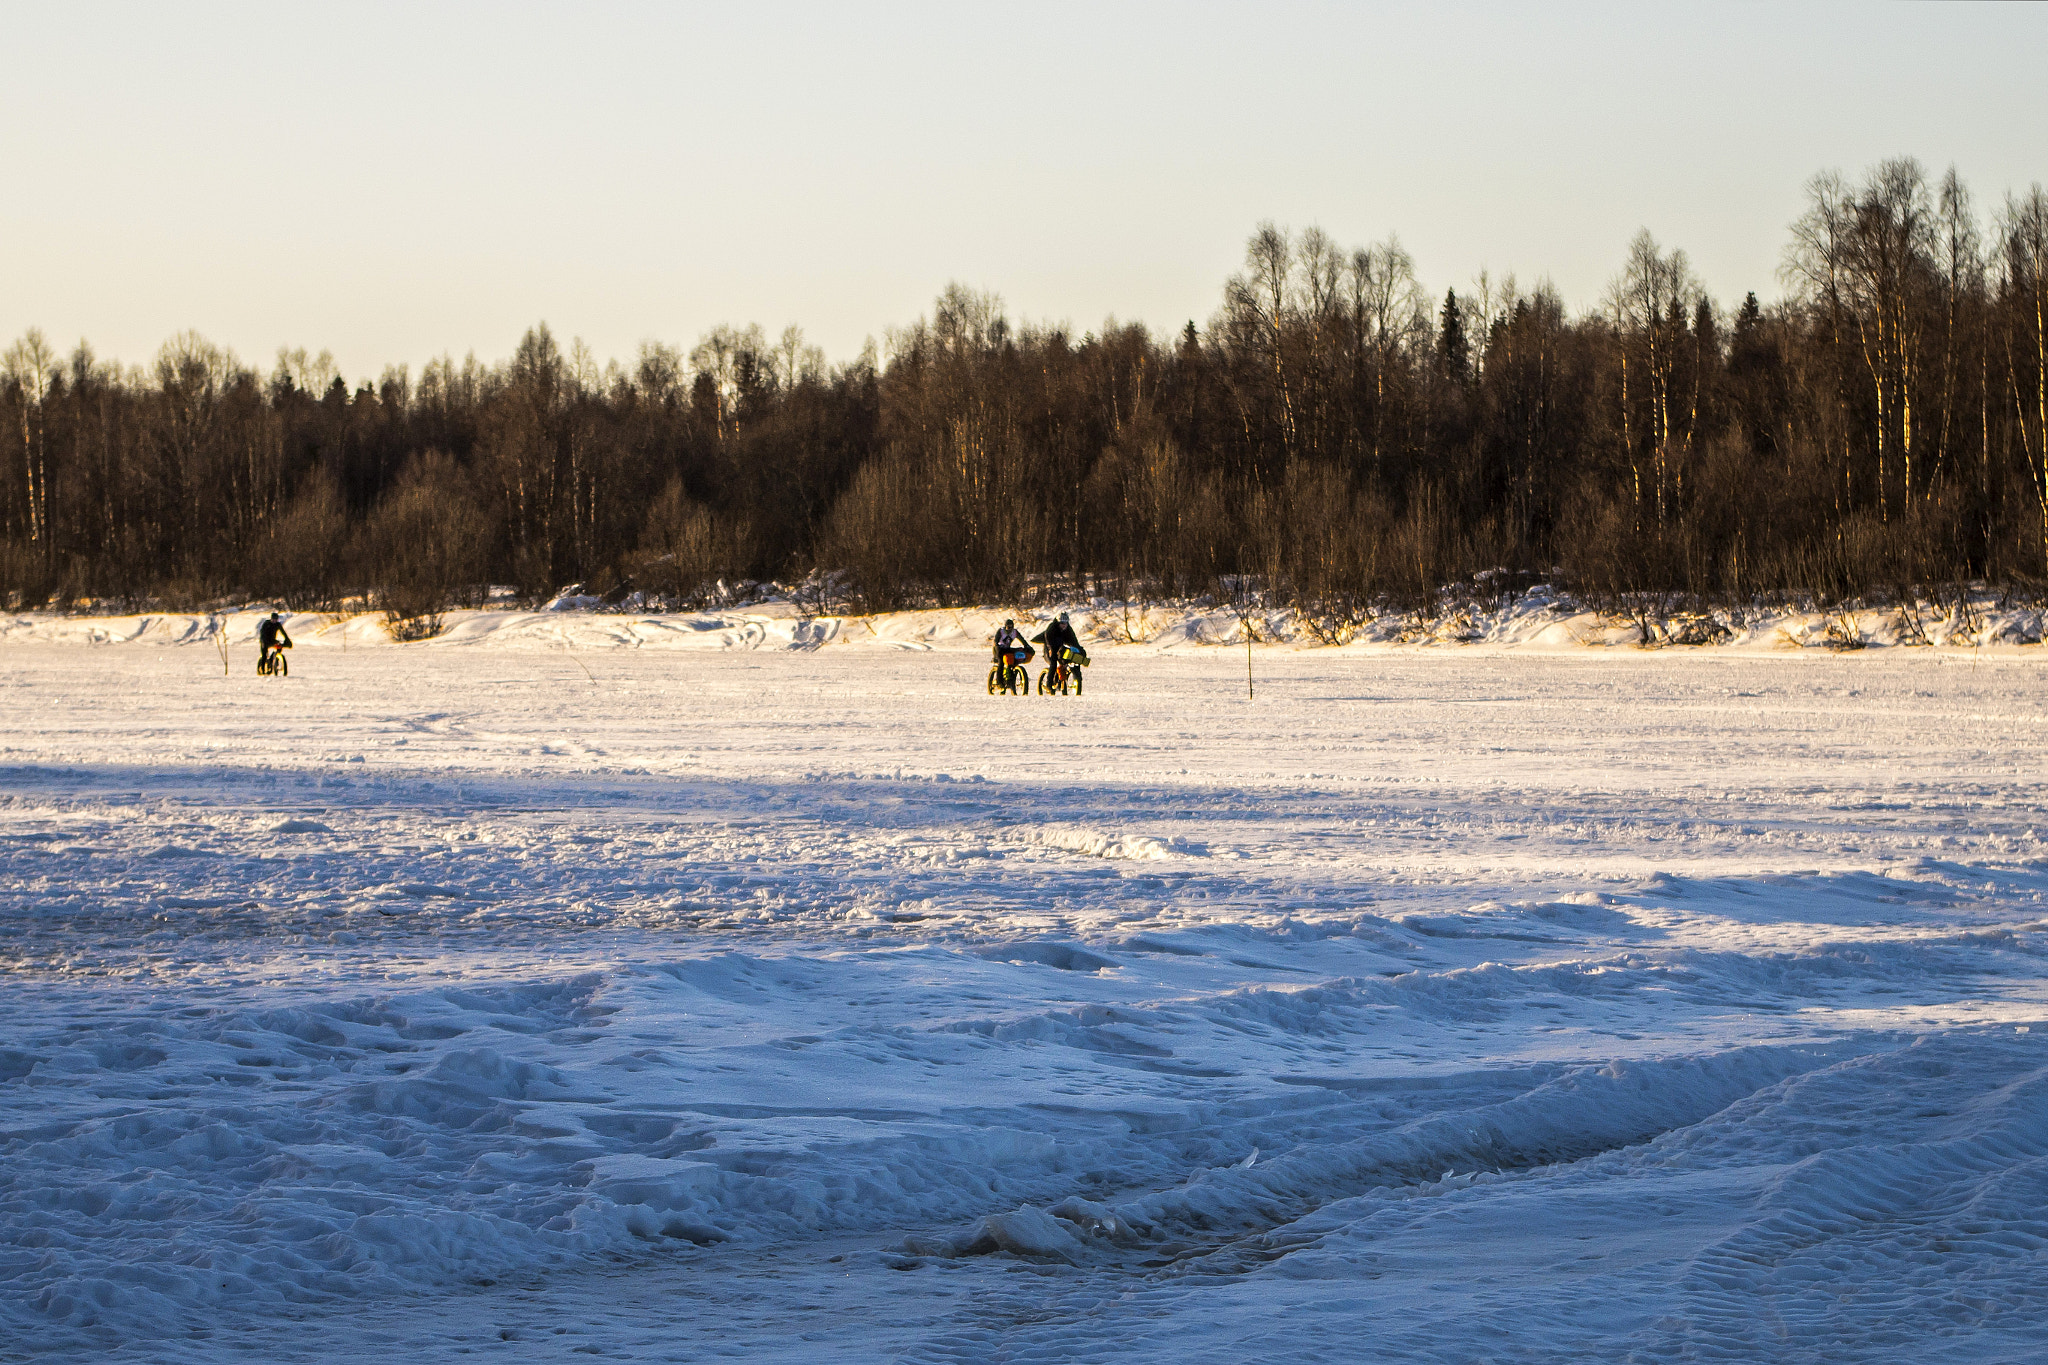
(1338, 437)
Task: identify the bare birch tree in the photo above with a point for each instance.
(1389, 313)
(31, 365)
(1867, 257)
(2023, 234)
(1650, 302)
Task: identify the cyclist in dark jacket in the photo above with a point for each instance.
(1058, 638)
(271, 637)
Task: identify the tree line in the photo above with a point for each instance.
(1336, 435)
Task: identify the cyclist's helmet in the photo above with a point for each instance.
(1063, 618)
(1008, 621)
(275, 617)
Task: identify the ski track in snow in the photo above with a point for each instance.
(792, 998)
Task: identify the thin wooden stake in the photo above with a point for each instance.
(1245, 623)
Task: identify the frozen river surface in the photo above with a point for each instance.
(803, 1005)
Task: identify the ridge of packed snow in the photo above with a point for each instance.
(1535, 620)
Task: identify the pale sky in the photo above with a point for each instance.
(396, 181)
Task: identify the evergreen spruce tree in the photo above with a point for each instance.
(1748, 318)
(1746, 347)
(1457, 351)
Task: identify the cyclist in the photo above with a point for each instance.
(1058, 638)
(270, 635)
(1011, 651)
(1009, 640)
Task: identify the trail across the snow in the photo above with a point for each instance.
(795, 999)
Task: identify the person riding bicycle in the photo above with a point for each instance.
(1011, 651)
(1010, 640)
(1058, 639)
(271, 637)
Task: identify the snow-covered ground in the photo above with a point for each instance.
(676, 988)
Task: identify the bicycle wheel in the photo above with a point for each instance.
(281, 667)
(1077, 682)
(1045, 682)
(995, 680)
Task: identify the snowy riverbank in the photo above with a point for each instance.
(1535, 620)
